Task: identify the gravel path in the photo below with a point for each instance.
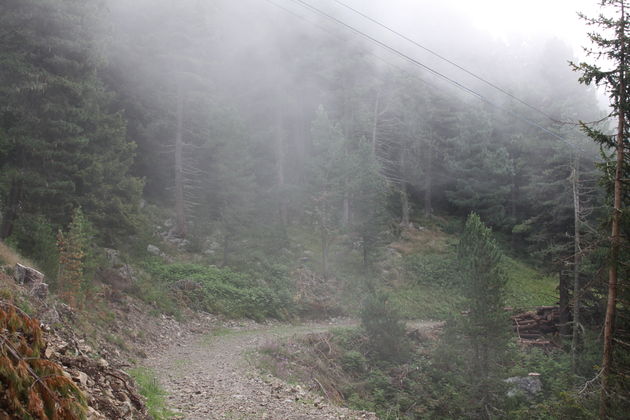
(210, 377)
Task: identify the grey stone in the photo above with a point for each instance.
(528, 386)
(39, 290)
(27, 276)
(153, 250)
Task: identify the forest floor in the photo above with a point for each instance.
(212, 376)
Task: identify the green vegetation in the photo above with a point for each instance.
(289, 173)
(33, 387)
(221, 290)
(153, 393)
(527, 287)
(427, 384)
(385, 328)
(432, 287)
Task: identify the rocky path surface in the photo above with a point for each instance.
(211, 377)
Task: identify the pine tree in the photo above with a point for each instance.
(73, 249)
(368, 189)
(62, 144)
(329, 169)
(616, 50)
(486, 326)
(482, 170)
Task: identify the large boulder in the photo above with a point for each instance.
(27, 276)
(528, 386)
(154, 250)
(32, 279)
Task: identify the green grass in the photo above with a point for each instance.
(527, 287)
(221, 290)
(425, 302)
(432, 287)
(153, 393)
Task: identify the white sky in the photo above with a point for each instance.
(500, 18)
(503, 18)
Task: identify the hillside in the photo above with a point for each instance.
(172, 168)
(166, 306)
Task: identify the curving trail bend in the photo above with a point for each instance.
(211, 377)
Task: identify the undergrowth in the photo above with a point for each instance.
(427, 384)
(220, 290)
(31, 386)
(431, 286)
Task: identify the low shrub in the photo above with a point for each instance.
(431, 269)
(221, 290)
(33, 387)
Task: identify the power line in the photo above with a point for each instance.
(324, 29)
(427, 68)
(441, 57)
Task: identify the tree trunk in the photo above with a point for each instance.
(181, 228)
(365, 254)
(325, 246)
(226, 250)
(575, 180)
(404, 196)
(611, 304)
(347, 133)
(563, 290)
(345, 216)
(404, 202)
(428, 181)
(280, 158)
(375, 122)
(513, 197)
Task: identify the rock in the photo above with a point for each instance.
(94, 415)
(27, 276)
(39, 290)
(82, 378)
(154, 250)
(32, 279)
(50, 316)
(113, 257)
(528, 386)
(102, 363)
(48, 352)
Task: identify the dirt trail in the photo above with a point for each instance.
(211, 377)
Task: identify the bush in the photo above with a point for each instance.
(33, 387)
(431, 269)
(222, 290)
(353, 361)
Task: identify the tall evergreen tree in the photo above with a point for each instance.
(614, 77)
(368, 188)
(486, 326)
(481, 168)
(62, 144)
(328, 171)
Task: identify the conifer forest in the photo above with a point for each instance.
(296, 209)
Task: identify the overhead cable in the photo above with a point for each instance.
(426, 67)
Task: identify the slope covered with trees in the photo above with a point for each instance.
(286, 149)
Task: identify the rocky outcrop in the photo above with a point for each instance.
(32, 280)
(527, 386)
